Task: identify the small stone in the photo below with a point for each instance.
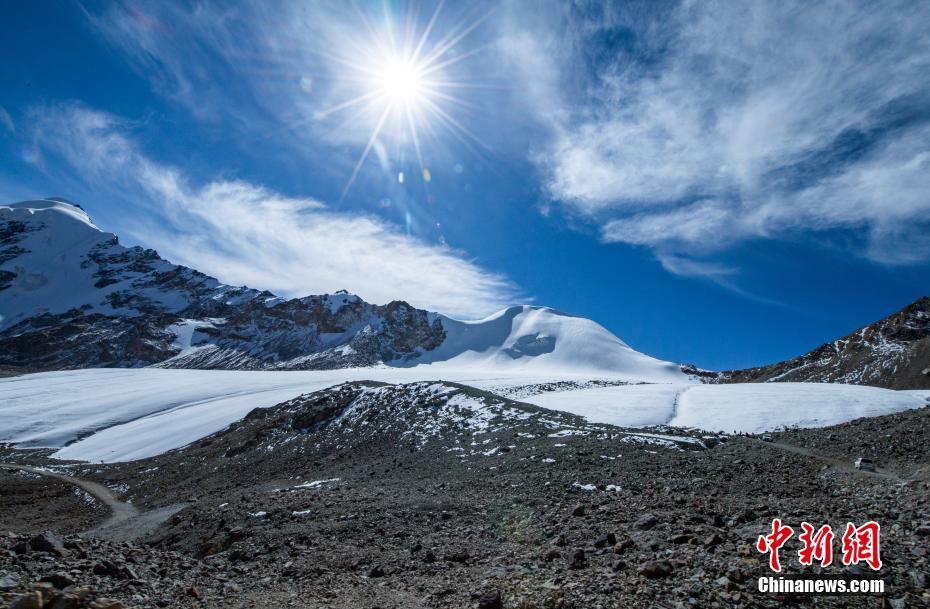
(656, 568)
(64, 601)
(713, 540)
(47, 542)
(608, 539)
(579, 510)
(106, 568)
(128, 572)
(747, 516)
(491, 600)
(31, 600)
(8, 582)
(376, 572)
(577, 560)
(623, 546)
(59, 580)
(460, 556)
(646, 522)
(735, 574)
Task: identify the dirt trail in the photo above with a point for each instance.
(125, 521)
(845, 465)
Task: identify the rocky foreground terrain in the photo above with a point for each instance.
(440, 495)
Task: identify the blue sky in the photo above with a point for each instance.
(727, 184)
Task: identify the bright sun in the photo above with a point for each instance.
(402, 82)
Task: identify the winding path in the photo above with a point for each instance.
(121, 512)
(845, 465)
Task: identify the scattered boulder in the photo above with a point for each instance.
(608, 539)
(30, 600)
(59, 580)
(646, 522)
(655, 569)
(491, 600)
(47, 542)
(8, 582)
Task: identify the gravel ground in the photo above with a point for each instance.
(439, 495)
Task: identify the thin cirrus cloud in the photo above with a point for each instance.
(690, 130)
(247, 234)
(298, 67)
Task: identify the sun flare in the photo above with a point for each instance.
(402, 82)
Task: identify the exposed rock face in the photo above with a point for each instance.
(74, 298)
(313, 333)
(893, 352)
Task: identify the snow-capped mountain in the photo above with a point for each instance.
(540, 339)
(893, 352)
(74, 297)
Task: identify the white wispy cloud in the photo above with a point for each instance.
(289, 72)
(247, 234)
(720, 122)
(6, 120)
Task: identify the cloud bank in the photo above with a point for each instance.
(244, 233)
(691, 128)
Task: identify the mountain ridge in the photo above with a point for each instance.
(893, 352)
(76, 298)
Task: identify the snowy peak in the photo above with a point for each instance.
(541, 339)
(54, 261)
(73, 297)
(56, 205)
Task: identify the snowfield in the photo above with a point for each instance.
(748, 407)
(125, 414)
(119, 414)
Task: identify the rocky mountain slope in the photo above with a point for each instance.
(893, 352)
(74, 297)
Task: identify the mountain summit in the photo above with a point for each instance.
(74, 297)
